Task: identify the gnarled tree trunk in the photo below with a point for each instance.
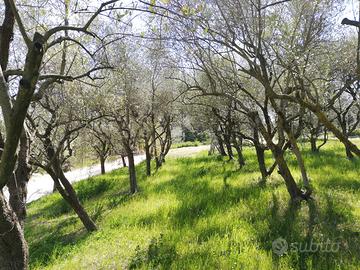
(18, 182)
(65, 188)
(238, 148)
(68, 193)
(313, 141)
(13, 247)
(284, 171)
(228, 147)
(260, 155)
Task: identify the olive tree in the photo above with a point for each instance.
(38, 46)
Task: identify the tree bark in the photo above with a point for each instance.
(348, 152)
(73, 200)
(18, 183)
(238, 148)
(65, 188)
(313, 140)
(123, 161)
(148, 158)
(220, 145)
(132, 173)
(300, 160)
(102, 164)
(68, 193)
(284, 171)
(13, 247)
(6, 35)
(344, 129)
(260, 155)
(278, 153)
(330, 126)
(228, 147)
(323, 119)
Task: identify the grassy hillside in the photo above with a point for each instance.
(203, 213)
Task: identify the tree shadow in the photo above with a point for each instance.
(314, 238)
(341, 183)
(48, 246)
(199, 198)
(159, 254)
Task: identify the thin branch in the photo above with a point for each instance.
(83, 29)
(274, 4)
(20, 24)
(72, 78)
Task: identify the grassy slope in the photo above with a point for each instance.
(188, 144)
(202, 213)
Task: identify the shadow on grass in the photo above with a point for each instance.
(159, 254)
(192, 183)
(49, 246)
(324, 241)
(341, 183)
(198, 198)
(86, 190)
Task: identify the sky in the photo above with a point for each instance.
(351, 11)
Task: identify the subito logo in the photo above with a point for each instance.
(280, 246)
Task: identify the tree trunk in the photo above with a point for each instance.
(157, 163)
(260, 155)
(301, 164)
(284, 171)
(313, 140)
(229, 148)
(68, 193)
(148, 158)
(337, 133)
(65, 188)
(278, 154)
(102, 165)
(300, 160)
(75, 203)
(326, 122)
(324, 141)
(348, 152)
(220, 145)
(14, 252)
(17, 184)
(132, 173)
(54, 188)
(238, 148)
(241, 158)
(123, 161)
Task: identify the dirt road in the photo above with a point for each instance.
(42, 184)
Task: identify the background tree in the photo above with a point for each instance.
(13, 247)
(100, 137)
(56, 121)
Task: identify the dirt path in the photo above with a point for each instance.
(42, 184)
(187, 151)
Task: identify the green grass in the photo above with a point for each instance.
(204, 213)
(188, 144)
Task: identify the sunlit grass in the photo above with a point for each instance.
(204, 213)
(188, 144)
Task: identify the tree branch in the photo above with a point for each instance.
(20, 24)
(83, 29)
